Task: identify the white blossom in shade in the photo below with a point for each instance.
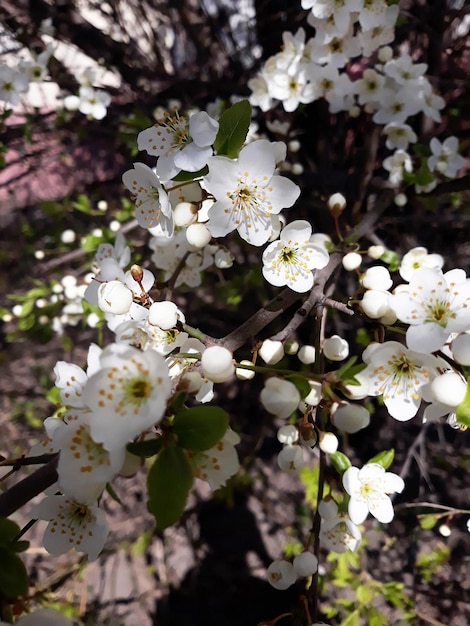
(416, 258)
(41, 617)
(351, 261)
(114, 297)
(369, 86)
(247, 193)
(288, 434)
(127, 395)
(292, 86)
(307, 354)
(377, 277)
(219, 463)
(399, 136)
(223, 259)
(279, 397)
(84, 466)
(290, 459)
(12, 84)
(375, 304)
(369, 490)
(260, 95)
(152, 206)
(398, 373)
(397, 164)
(335, 348)
(445, 158)
(71, 525)
(460, 348)
(435, 305)
(217, 364)
(90, 101)
(403, 69)
(305, 564)
(328, 442)
(281, 574)
(180, 143)
(291, 260)
(351, 418)
(271, 351)
(337, 532)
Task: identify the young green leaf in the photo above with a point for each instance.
(168, 483)
(233, 128)
(8, 531)
(13, 575)
(462, 412)
(384, 458)
(200, 427)
(340, 461)
(145, 449)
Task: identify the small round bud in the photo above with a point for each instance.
(306, 354)
(351, 261)
(137, 273)
(288, 434)
(315, 396)
(291, 346)
(385, 54)
(297, 169)
(271, 351)
(328, 443)
(244, 374)
(102, 205)
(184, 214)
(375, 252)
(336, 203)
(445, 530)
(279, 397)
(39, 255)
(223, 259)
(375, 303)
(281, 575)
(449, 389)
(377, 277)
(114, 226)
(305, 564)
(290, 459)
(351, 418)
(294, 145)
(68, 236)
(460, 347)
(115, 297)
(335, 348)
(389, 318)
(198, 235)
(191, 382)
(400, 199)
(217, 364)
(354, 111)
(163, 314)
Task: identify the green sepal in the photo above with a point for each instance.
(146, 448)
(384, 458)
(168, 483)
(112, 493)
(301, 384)
(462, 412)
(200, 427)
(177, 402)
(13, 574)
(340, 462)
(233, 129)
(428, 521)
(184, 177)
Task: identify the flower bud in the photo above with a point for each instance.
(306, 354)
(449, 389)
(217, 364)
(351, 261)
(281, 574)
(314, 397)
(335, 348)
(377, 278)
(360, 391)
(375, 252)
(271, 351)
(460, 347)
(290, 459)
(375, 303)
(244, 374)
(328, 443)
(191, 382)
(184, 214)
(291, 346)
(288, 434)
(350, 418)
(198, 235)
(163, 314)
(336, 204)
(279, 397)
(305, 564)
(114, 297)
(223, 259)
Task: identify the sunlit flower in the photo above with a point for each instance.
(337, 532)
(219, 463)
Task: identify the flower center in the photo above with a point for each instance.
(137, 389)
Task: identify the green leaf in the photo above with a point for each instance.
(301, 383)
(462, 412)
(384, 458)
(13, 575)
(364, 594)
(200, 427)
(168, 483)
(177, 402)
(233, 128)
(184, 176)
(20, 546)
(146, 448)
(8, 531)
(340, 461)
(427, 521)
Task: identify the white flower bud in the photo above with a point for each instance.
(358, 392)
(306, 354)
(290, 459)
(281, 574)
(400, 199)
(217, 364)
(184, 214)
(68, 236)
(271, 351)
(351, 418)
(328, 443)
(337, 202)
(115, 297)
(223, 259)
(315, 395)
(294, 145)
(305, 564)
(102, 205)
(445, 530)
(351, 261)
(244, 374)
(288, 434)
(375, 303)
(335, 348)
(385, 54)
(448, 389)
(131, 465)
(198, 235)
(460, 347)
(191, 382)
(297, 169)
(354, 111)
(375, 252)
(388, 318)
(194, 260)
(163, 314)
(279, 397)
(377, 278)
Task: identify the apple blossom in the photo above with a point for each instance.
(351, 261)
(416, 258)
(369, 490)
(377, 277)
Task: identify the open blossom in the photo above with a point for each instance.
(152, 206)
(337, 532)
(398, 374)
(290, 260)
(416, 258)
(90, 101)
(281, 574)
(180, 143)
(219, 463)
(435, 305)
(368, 489)
(71, 525)
(248, 193)
(445, 158)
